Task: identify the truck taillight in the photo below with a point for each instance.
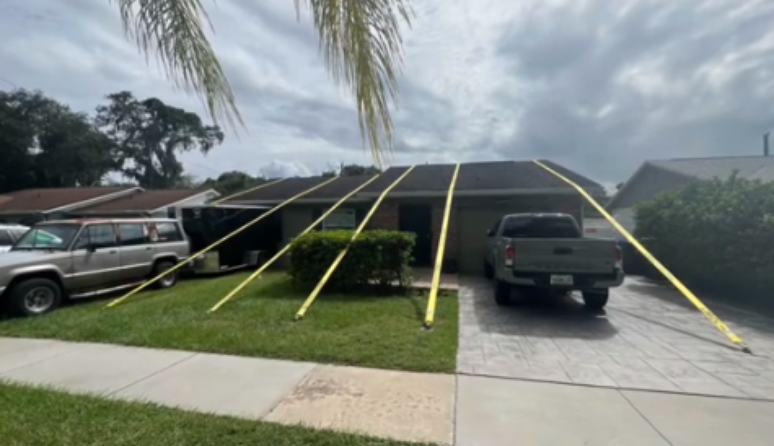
(618, 257)
(510, 254)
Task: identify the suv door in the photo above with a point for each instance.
(96, 260)
(136, 251)
(170, 241)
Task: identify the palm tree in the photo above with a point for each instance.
(360, 41)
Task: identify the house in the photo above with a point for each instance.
(655, 177)
(484, 192)
(31, 205)
(148, 203)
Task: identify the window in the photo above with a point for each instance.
(97, 236)
(47, 236)
(540, 227)
(167, 232)
(5, 238)
(132, 234)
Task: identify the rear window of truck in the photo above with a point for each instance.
(540, 227)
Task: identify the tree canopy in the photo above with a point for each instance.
(46, 144)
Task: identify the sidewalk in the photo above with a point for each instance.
(462, 410)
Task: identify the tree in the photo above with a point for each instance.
(360, 41)
(714, 234)
(352, 170)
(46, 144)
(150, 134)
(228, 183)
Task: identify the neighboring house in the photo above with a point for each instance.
(656, 177)
(148, 203)
(484, 193)
(32, 205)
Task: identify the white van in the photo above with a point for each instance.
(9, 234)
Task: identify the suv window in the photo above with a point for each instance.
(5, 238)
(132, 234)
(97, 236)
(167, 232)
(540, 227)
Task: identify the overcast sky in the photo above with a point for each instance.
(596, 85)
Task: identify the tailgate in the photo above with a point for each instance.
(576, 256)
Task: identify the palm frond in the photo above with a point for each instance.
(175, 31)
(363, 49)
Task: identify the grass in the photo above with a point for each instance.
(369, 331)
(37, 416)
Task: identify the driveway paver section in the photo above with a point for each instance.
(649, 338)
(405, 406)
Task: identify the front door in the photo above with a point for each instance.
(418, 218)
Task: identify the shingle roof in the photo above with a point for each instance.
(479, 176)
(143, 200)
(497, 175)
(44, 199)
(748, 167)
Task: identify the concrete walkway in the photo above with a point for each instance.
(445, 409)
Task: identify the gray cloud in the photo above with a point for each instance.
(614, 83)
(596, 85)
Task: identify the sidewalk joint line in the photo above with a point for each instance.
(647, 420)
(163, 369)
(80, 346)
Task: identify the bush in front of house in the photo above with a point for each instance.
(716, 235)
(374, 258)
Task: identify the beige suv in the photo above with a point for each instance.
(63, 259)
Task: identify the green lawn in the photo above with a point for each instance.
(37, 417)
(370, 331)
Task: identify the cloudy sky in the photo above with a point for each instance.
(595, 85)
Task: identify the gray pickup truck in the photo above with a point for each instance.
(548, 251)
(79, 258)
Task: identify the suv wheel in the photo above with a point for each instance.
(169, 280)
(33, 297)
(596, 299)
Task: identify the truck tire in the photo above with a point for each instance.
(596, 299)
(502, 293)
(488, 271)
(167, 281)
(35, 296)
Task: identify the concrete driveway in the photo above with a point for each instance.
(649, 338)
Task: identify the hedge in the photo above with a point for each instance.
(374, 258)
(716, 235)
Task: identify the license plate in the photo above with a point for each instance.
(561, 280)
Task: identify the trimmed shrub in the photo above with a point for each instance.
(717, 235)
(374, 258)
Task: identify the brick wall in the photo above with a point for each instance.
(385, 217)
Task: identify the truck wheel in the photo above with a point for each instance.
(36, 296)
(488, 271)
(502, 293)
(595, 300)
(167, 281)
